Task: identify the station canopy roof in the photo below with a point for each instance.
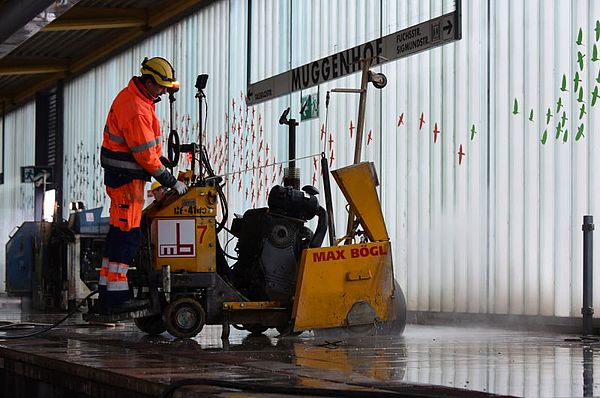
(45, 41)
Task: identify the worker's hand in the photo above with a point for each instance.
(180, 187)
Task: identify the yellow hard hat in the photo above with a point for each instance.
(155, 185)
(161, 70)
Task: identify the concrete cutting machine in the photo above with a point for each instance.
(281, 277)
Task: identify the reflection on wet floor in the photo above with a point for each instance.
(485, 360)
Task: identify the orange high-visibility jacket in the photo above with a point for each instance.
(131, 147)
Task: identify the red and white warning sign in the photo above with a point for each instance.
(176, 238)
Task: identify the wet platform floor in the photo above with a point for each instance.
(82, 361)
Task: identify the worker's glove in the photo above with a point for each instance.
(180, 187)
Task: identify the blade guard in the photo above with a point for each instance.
(333, 280)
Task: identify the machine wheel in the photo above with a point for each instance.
(396, 327)
(153, 325)
(255, 328)
(184, 317)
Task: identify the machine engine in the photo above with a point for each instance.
(270, 242)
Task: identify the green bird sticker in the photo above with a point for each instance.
(580, 132)
(564, 118)
(545, 136)
(598, 77)
(515, 107)
(580, 97)
(576, 80)
(558, 131)
(473, 132)
(580, 37)
(531, 115)
(566, 136)
(563, 86)
(595, 95)
(559, 105)
(580, 57)
(595, 53)
(597, 29)
(548, 116)
(582, 111)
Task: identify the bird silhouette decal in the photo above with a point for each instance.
(580, 130)
(582, 111)
(595, 95)
(576, 80)
(563, 86)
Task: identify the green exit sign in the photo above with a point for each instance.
(309, 106)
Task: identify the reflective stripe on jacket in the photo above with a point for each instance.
(131, 145)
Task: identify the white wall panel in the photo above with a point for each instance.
(546, 169)
(16, 198)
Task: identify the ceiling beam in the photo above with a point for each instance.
(88, 18)
(31, 66)
(95, 23)
(31, 69)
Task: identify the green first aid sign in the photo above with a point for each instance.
(309, 107)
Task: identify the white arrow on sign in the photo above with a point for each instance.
(417, 38)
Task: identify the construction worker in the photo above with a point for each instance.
(130, 155)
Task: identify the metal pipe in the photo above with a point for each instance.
(362, 105)
(348, 90)
(171, 124)
(200, 143)
(328, 201)
(360, 126)
(292, 142)
(587, 310)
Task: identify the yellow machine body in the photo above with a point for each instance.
(183, 231)
(358, 184)
(348, 285)
(331, 280)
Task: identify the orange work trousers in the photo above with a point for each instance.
(126, 205)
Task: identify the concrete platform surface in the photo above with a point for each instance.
(79, 360)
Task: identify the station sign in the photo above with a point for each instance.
(424, 36)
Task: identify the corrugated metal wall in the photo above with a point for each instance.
(494, 230)
(499, 232)
(16, 199)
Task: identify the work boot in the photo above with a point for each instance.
(130, 305)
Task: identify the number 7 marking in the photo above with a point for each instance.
(202, 229)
